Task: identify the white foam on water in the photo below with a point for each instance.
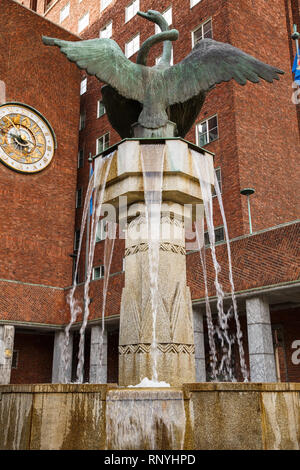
(147, 383)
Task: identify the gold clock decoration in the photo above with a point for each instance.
(27, 141)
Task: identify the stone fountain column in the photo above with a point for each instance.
(175, 350)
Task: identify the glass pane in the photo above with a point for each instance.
(213, 134)
(212, 123)
(202, 140)
(197, 35)
(219, 234)
(100, 145)
(207, 29)
(206, 238)
(101, 108)
(106, 141)
(202, 129)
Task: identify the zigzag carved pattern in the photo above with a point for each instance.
(164, 348)
(142, 247)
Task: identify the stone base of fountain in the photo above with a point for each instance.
(208, 416)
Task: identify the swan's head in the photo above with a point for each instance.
(151, 15)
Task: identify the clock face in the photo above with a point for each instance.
(26, 140)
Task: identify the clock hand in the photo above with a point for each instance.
(12, 124)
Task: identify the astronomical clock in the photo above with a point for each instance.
(27, 141)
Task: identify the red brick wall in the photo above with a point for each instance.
(267, 126)
(37, 220)
(35, 353)
(265, 259)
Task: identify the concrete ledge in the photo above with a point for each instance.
(215, 416)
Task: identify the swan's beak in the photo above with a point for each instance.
(142, 14)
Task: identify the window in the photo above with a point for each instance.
(131, 10)
(101, 230)
(104, 4)
(100, 109)
(219, 178)
(33, 5)
(98, 272)
(132, 46)
(83, 22)
(48, 4)
(102, 143)
(82, 121)
(167, 16)
(207, 131)
(15, 360)
(203, 31)
(158, 59)
(194, 2)
(219, 236)
(64, 12)
(80, 159)
(79, 198)
(76, 239)
(83, 86)
(106, 32)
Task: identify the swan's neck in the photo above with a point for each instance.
(166, 36)
(167, 49)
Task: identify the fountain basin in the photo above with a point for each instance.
(216, 416)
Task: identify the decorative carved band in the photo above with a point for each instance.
(164, 348)
(166, 246)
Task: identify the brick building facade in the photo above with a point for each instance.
(256, 145)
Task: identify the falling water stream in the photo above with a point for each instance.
(152, 157)
(145, 419)
(103, 171)
(100, 177)
(224, 369)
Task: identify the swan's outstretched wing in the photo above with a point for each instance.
(104, 59)
(210, 63)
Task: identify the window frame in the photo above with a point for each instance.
(15, 359)
(79, 193)
(207, 130)
(76, 239)
(80, 159)
(83, 88)
(87, 13)
(102, 231)
(82, 118)
(216, 242)
(104, 4)
(130, 41)
(218, 169)
(127, 8)
(104, 147)
(201, 25)
(101, 267)
(194, 3)
(104, 29)
(61, 10)
(98, 109)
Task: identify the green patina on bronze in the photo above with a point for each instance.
(152, 96)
